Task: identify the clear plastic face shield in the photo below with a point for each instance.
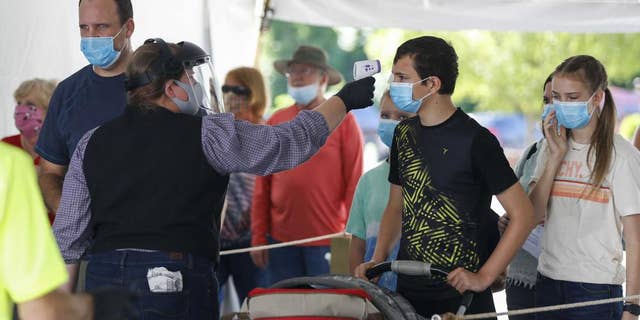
(204, 86)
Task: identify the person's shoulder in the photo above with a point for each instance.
(415, 120)
(380, 167)
(469, 122)
(12, 156)
(476, 130)
(349, 125)
(624, 149)
(13, 140)
(283, 114)
(76, 78)
(13, 161)
(350, 118)
(412, 122)
(72, 85)
(375, 175)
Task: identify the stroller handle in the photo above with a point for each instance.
(418, 268)
(406, 267)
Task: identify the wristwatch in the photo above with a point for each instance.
(632, 308)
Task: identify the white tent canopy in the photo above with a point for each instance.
(498, 15)
(41, 38)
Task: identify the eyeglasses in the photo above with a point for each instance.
(300, 70)
(239, 90)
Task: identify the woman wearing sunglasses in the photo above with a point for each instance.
(245, 96)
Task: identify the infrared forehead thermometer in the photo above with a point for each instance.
(365, 68)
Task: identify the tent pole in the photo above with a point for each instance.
(265, 22)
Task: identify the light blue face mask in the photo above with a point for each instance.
(573, 115)
(402, 96)
(546, 110)
(191, 106)
(303, 95)
(386, 127)
(99, 50)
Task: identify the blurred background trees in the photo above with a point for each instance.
(499, 71)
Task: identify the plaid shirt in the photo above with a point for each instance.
(229, 146)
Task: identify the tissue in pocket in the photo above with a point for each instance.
(162, 280)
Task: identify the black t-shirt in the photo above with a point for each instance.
(448, 174)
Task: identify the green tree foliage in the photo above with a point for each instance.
(629, 125)
(506, 70)
(498, 70)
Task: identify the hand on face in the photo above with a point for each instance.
(556, 136)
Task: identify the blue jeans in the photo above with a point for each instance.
(520, 297)
(246, 275)
(128, 269)
(296, 261)
(552, 292)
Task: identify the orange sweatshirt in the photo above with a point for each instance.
(314, 198)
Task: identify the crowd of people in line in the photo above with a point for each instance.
(148, 167)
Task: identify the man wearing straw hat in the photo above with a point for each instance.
(314, 198)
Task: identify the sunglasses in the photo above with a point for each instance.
(239, 90)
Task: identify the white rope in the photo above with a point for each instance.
(283, 244)
(549, 308)
(470, 316)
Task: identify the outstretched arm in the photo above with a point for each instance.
(237, 146)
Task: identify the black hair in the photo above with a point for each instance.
(125, 10)
(432, 56)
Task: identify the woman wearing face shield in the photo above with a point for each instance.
(144, 192)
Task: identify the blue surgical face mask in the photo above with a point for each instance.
(303, 95)
(386, 127)
(99, 50)
(573, 115)
(191, 106)
(546, 110)
(402, 96)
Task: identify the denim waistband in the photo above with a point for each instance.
(134, 257)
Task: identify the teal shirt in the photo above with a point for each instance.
(369, 202)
